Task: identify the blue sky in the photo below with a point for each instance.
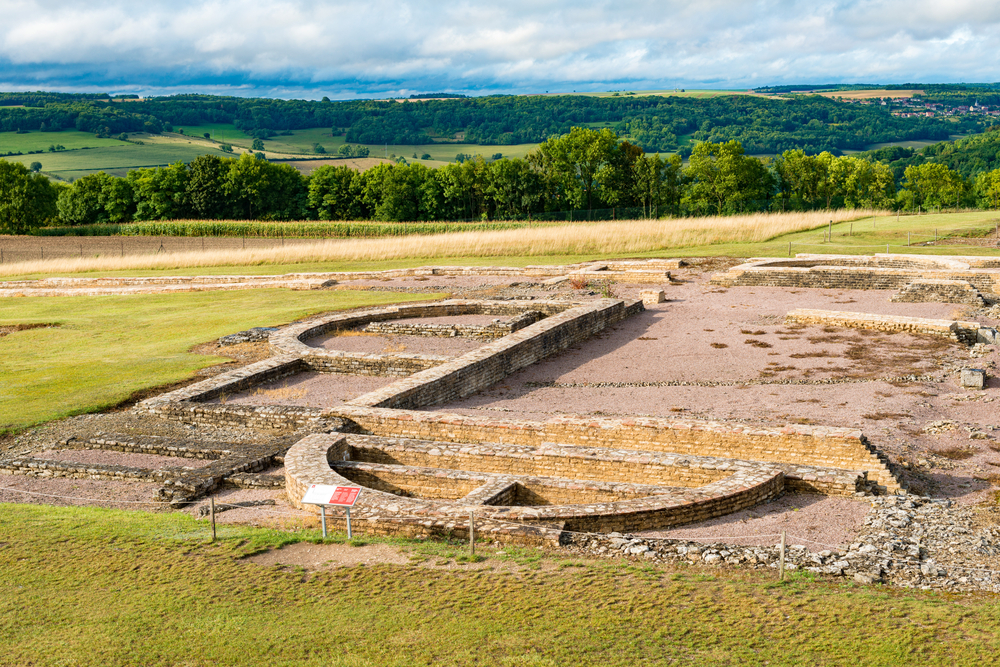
(375, 48)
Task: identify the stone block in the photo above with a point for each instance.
(652, 296)
(987, 336)
(974, 378)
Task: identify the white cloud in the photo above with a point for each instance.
(512, 45)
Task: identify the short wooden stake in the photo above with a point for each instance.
(781, 558)
(789, 248)
(831, 231)
(211, 508)
(472, 533)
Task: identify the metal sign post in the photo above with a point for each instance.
(337, 496)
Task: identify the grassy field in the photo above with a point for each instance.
(300, 142)
(40, 141)
(103, 349)
(738, 236)
(869, 94)
(117, 159)
(687, 92)
(106, 587)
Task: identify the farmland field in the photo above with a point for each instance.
(687, 92)
(869, 94)
(117, 159)
(12, 142)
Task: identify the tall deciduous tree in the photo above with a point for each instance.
(725, 180)
(27, 200)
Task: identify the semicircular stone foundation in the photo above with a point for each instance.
(576, 488)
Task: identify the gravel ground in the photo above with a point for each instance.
(108, 457)
(817, 522)
(80, 492)
(367, 343)
(310, 389)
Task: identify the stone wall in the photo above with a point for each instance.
(489, 364)
(940, 291)
(958, 330)
(848, 272)
(825, 447)
(493, 330)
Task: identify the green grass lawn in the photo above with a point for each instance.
(117, 159)
(106, 587)
(40, 141)
(106, 348)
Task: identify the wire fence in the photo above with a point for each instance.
(915, 240)
(711, 539)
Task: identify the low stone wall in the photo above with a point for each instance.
(235, 465)
(489, 331)
(824, 447)
(290, 340)
(964, 332)
(879, 271)
(940, 291)
(489, 364)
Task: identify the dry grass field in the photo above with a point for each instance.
(869, 94)
(602, 238)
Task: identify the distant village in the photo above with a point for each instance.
(909, 107)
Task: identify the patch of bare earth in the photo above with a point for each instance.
(817, 522)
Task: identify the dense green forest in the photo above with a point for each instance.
(655, 124)
(969, 156)
(582, 173)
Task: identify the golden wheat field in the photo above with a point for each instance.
(600, 238)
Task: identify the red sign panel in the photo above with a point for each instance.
(345, 495)
(323, 494)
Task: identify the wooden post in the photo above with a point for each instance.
(831, 231)
(781, 558)
(472, 532)
(789, 248)
(211, 507)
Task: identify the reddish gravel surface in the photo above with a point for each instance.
(84, 492)
(310, 389)
(130, 460)
(817, 522)
(375, 344)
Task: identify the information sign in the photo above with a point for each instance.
(323, 494)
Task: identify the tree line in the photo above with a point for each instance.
(656, 124)
(584, 169)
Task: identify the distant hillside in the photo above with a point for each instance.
(657, 124)
(969, 156)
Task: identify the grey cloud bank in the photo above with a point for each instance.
(349, 49)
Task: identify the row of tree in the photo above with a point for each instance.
(656, 124)
(585, 169)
